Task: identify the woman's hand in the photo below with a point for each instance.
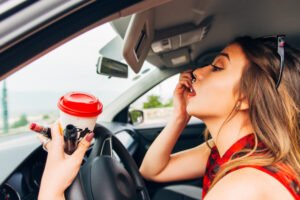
(180, 95)
(61, 168)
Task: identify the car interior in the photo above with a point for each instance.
(172, 35)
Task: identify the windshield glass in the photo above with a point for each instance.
(31, 94)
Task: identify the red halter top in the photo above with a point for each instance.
(215, 161)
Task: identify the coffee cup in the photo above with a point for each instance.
(79, 109)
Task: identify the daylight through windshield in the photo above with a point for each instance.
(31, 94)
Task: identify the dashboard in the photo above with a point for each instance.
(25, 180)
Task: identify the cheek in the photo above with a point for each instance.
(213, 98)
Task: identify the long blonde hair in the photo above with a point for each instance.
(274, 113)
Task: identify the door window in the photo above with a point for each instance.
(156, 104)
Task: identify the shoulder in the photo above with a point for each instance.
(245, 183)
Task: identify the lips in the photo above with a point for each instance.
(191, 92)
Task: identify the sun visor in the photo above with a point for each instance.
(138, 39)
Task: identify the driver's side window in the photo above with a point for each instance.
(156, 106)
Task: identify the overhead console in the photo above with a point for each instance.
(165, 39)
(178, 37)
(174, 44)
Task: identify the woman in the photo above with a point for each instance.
(251, 109)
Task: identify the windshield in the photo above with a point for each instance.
(31, 94)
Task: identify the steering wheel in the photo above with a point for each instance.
(102, 177)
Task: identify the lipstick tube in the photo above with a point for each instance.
(45, 131)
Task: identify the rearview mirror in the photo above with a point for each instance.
(111, 68)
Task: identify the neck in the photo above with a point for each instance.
(233, 130)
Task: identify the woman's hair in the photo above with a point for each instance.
(274, 112)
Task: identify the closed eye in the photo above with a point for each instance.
(216, 68)
(193, 78)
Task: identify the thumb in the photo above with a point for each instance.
(83, 147)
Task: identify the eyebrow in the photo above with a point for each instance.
(224, 55)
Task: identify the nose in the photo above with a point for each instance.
(201, 72)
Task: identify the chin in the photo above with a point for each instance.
(196, 111)
(191, 110)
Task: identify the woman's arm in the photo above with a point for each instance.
(159, 164)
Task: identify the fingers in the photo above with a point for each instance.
(187, 75)
(43, 140)
(188, 71)
(54, 149)
(56, 146)
(185, 80)
(82, 147)
(56, 134)
(184, 83)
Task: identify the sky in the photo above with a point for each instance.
(74, 60)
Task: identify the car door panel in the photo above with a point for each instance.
(191, 136)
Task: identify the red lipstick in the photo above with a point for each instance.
(191, 92)
(46, 131)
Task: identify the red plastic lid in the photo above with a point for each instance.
(80, 104)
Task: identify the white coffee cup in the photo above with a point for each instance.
(79, 109)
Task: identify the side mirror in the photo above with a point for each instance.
(136, 117)
(111, 68)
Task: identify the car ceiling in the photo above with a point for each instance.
(225, 20)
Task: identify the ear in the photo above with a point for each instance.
(243, 104)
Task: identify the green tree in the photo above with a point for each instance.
(46, 117)
(169, 103)
(153, 102)
(21, 122)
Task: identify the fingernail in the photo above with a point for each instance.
(89, 137)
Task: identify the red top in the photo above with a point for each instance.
(80, 104)
(215, 161)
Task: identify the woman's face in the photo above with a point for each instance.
(215, 84)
